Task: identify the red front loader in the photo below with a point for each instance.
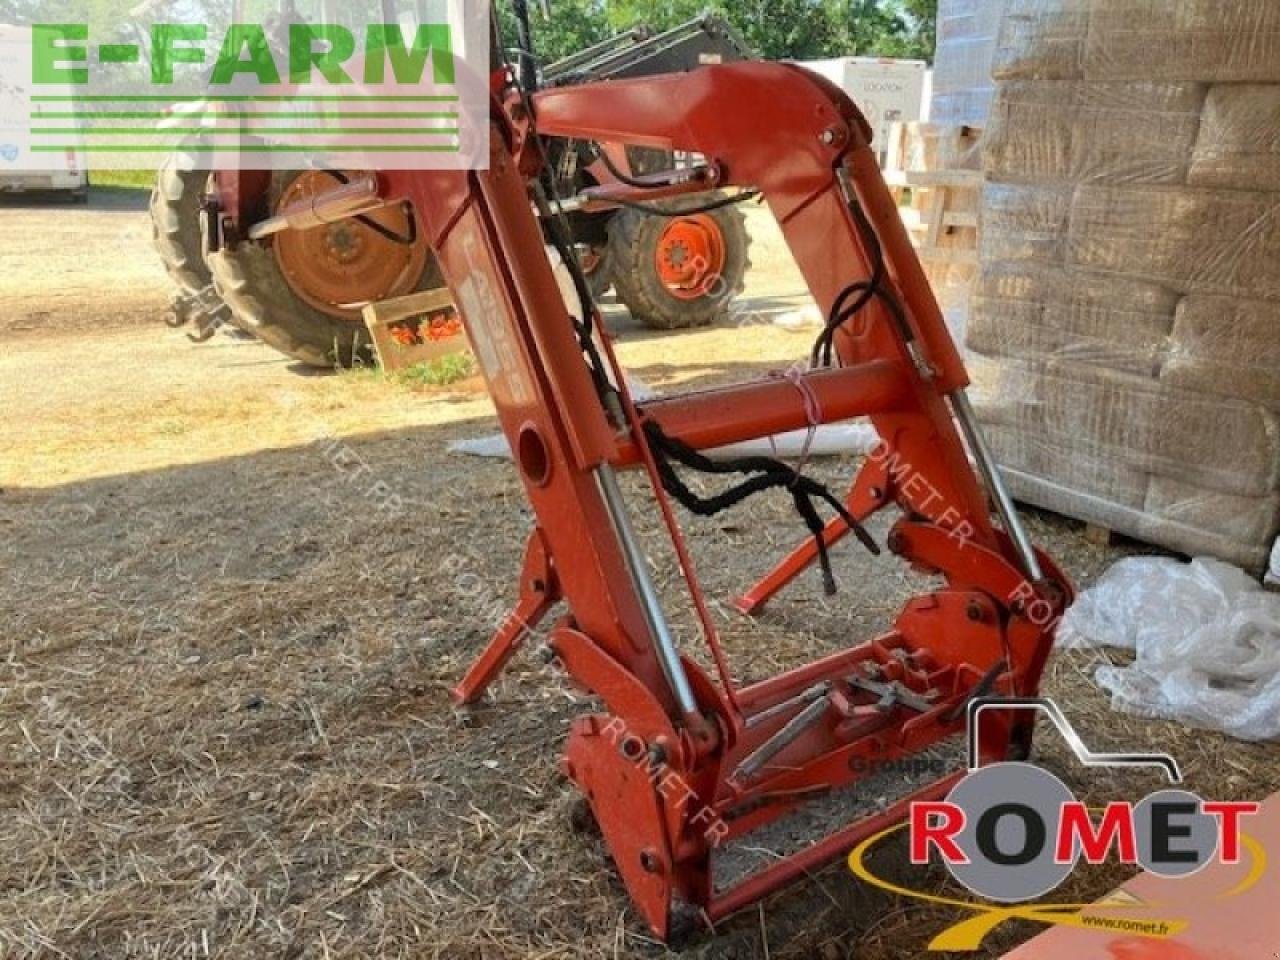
(688, 773)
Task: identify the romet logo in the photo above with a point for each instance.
(1013, 832)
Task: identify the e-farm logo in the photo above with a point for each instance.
(367, 85)
(60, 54)
(1011, 833)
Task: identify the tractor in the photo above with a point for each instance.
(303, 292)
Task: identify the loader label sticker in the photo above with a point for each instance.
(248, 84)
(500, 357)
(1011, 833)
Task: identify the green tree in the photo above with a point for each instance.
(892, 28)
(774, 29)
(574, 25)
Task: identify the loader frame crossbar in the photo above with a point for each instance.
(742, 756)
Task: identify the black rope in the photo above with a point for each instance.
(656, 211)
(558, 233)
(544, 192)
(763, 473)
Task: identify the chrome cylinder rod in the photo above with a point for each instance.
(990, 473)
(341, 202)
(664, 643)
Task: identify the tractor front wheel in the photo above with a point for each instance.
(682, 269)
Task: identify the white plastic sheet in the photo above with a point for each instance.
(798, 321)
(1207, 640)
(1273, 575)
(828, 440)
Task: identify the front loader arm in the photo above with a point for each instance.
(788, 133)
(739, 759)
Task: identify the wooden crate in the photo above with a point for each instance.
(414, 329)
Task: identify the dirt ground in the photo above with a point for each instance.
(233, 596)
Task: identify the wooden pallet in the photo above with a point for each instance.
(935, 174)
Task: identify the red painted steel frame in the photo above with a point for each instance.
(656, 779)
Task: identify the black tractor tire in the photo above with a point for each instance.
(175, 224)
(251, 283)
(634, 236)
(600, 279)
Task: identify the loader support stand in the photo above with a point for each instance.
(539, 592)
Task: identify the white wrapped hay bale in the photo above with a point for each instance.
(966, 65)
(1022, 223)
(1194, 240)
(1006, 394)
(1208, 41)
(1049, 131)
(1128, 360)
(968, 32)
(1038, 454)
(1238, 146)
(1071, 501)
(1028, 136)
(1042, 40)
(962, 107)
(1023, 310)
(960, 20)
(1112, 422)
(1196, 511)
(1216, 442)
(1228, 346)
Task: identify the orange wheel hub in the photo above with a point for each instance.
(691, 255)
(341, 267)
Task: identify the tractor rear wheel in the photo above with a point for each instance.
(597, 266)
(175, 224)
(303, 291)
(675, 272)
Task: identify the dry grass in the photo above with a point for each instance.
(224, 656)
(225, 729)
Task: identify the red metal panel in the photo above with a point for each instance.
(713, 418)
(792, 142)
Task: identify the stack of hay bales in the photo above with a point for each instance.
(1125, 334)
